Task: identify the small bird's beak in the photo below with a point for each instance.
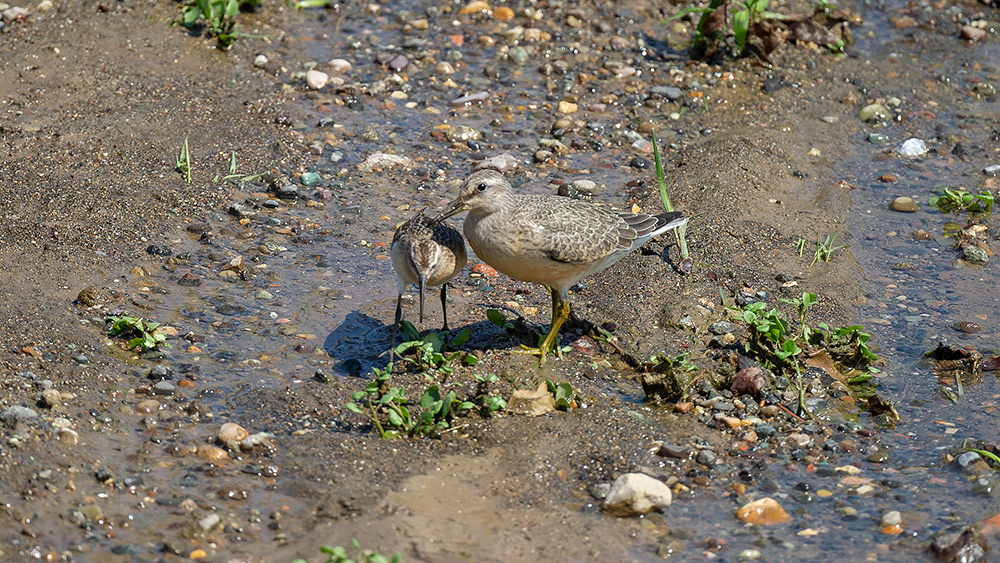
(454, 208)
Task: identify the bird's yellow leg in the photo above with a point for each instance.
(560, 312)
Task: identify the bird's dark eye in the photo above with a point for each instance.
(481, 187)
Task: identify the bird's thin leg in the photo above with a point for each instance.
(395, 326)
(423, 285)
(444, 305)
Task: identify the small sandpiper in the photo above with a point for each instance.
(426, 252)
(550, 240)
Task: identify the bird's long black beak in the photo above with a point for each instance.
(454, 208)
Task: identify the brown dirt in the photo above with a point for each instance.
(96, 102)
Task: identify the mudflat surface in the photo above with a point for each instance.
(279, 307)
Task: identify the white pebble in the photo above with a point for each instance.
(317, 79)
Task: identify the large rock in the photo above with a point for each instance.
(633, 494)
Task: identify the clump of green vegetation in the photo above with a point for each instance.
(487, 403)
(961, 200)
(824, 249)
(714, 23)
(141, 335)
(430, 352)
(774, 343)
(219, 15)
(338, 554)
(390, 412)
(183, 162)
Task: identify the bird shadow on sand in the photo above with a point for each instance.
(362, 341)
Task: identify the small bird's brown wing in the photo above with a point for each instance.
(574, 231)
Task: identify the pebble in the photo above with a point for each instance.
(69, 437)
(671, 93)
(503, 13)
(975, 254)
(763, 512)
(633, 494)
(873, 113)
(398, 63)
(11, 416)
(212, 454)
(639, 163)
(567, 107)
(463, 133)
(260, 442)
(148, 406)
(504, 162)
(15, 13)
(444, 67)
(209, 522)
(878, 138)
(232, 432)
(904, 204)
(163, 388)
(892, 518)
(260, 61)
(913, 147)
(51, 398)
(676, 452)
(470, 99)
(992, 170)
(972, 33)
(339, 66)
(380, 160)
(967, 460)
(317, 79)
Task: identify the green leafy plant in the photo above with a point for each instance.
(802, 306)
(665, 361)
(959, 200)
(219, 15)
(183, 161)
(498, 319)
(141, 335)
(745, 13)
(233, 175)
(383, 400)
(487, 403)
(339, 554)
(824, 249)
(563, 394)
(429, 352)
(680, 231)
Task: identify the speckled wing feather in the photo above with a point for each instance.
(572, 231)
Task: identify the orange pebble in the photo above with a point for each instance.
(485, 270)
(503, 13)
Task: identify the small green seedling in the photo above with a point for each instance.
(958, 200)
(563, 394)
(824, 250)
(338, 554)
(498, 319)
(183, 162)
(680, 231)
(220, 16)
(142, 335)
(679, 362)
(487, 403)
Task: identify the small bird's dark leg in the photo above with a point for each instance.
(423, 285)
(395, 326)
(444, 305)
